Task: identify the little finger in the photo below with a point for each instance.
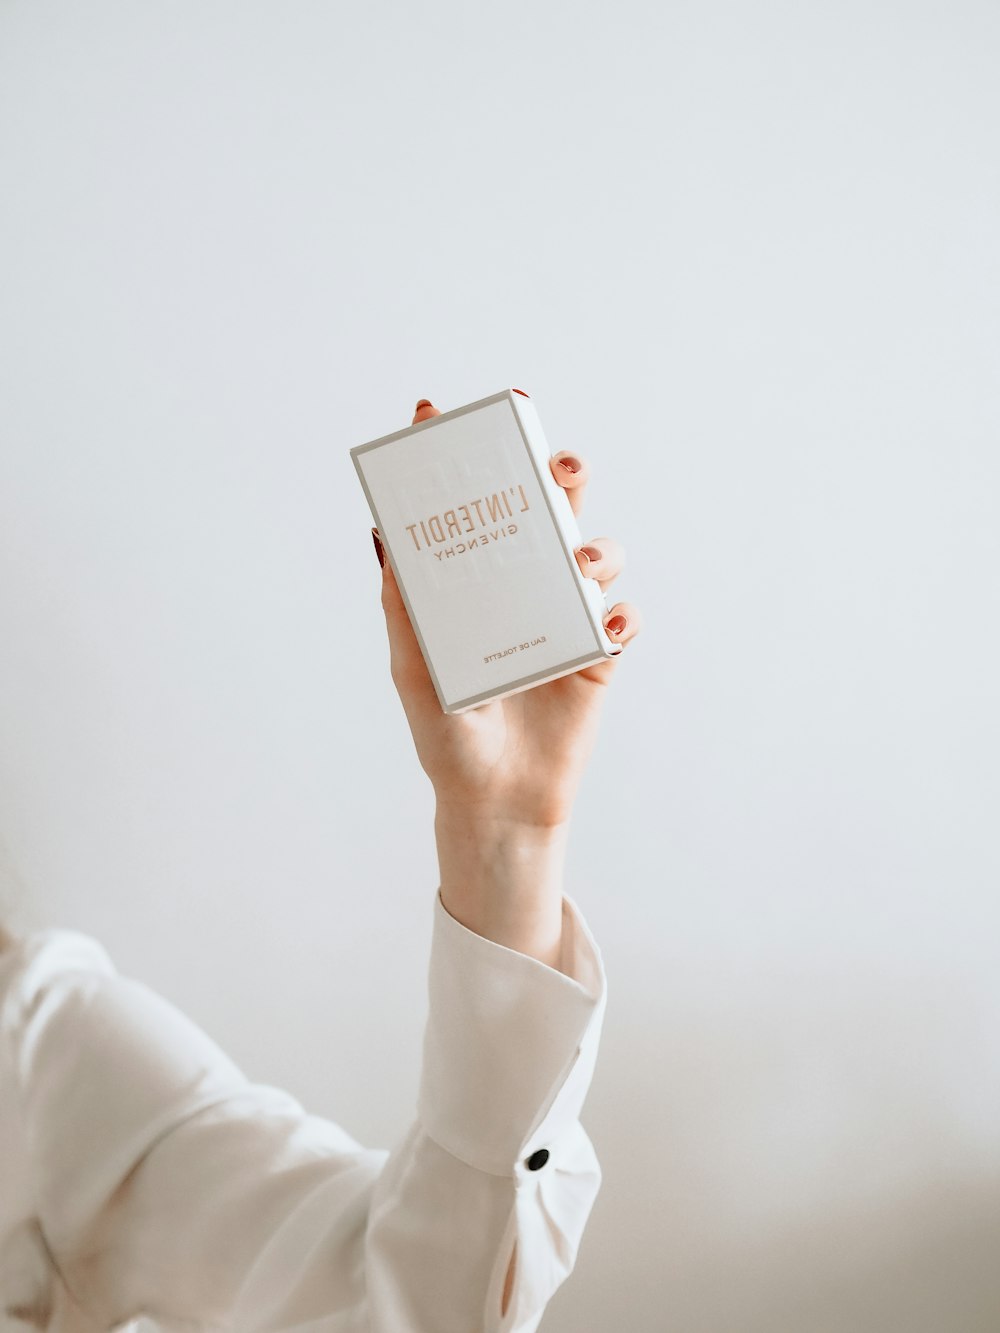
(623, 622)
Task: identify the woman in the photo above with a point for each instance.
(141, 1173)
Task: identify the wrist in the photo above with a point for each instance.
(503, 878)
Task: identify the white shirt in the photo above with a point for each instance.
(142, 1174)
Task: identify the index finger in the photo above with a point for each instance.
(424, 411)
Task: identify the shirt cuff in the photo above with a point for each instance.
(510, 1043)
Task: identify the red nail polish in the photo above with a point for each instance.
(522, 393)
(616, 625)
(378, 548)
(424, 402)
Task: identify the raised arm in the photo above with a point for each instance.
(506, 775)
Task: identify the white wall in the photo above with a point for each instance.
(745, 259)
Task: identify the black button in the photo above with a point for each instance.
(538, 1159)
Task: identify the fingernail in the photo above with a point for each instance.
(424, 402)
(522, 393)
(616, 625)
(591, 552)
(570, 463)
(378, 548)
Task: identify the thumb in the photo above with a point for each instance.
(409, 670)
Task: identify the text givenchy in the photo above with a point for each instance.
(440, 528)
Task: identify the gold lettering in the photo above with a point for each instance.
(438, 528)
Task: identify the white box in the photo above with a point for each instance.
(481, 536)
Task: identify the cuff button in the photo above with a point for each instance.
(537, 1159)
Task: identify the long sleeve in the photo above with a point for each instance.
(144, 1174)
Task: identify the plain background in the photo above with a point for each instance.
(745, 258)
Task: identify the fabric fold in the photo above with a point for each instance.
(510, 1043)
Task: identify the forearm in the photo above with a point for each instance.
(503, 879)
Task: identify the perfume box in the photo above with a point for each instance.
(481, 539)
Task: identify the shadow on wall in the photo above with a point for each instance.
(814, 1153)
(923, 1263)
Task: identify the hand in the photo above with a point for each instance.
(516, 761)
(506, 774)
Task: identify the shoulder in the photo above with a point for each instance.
(53, 949)
(35, 964)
